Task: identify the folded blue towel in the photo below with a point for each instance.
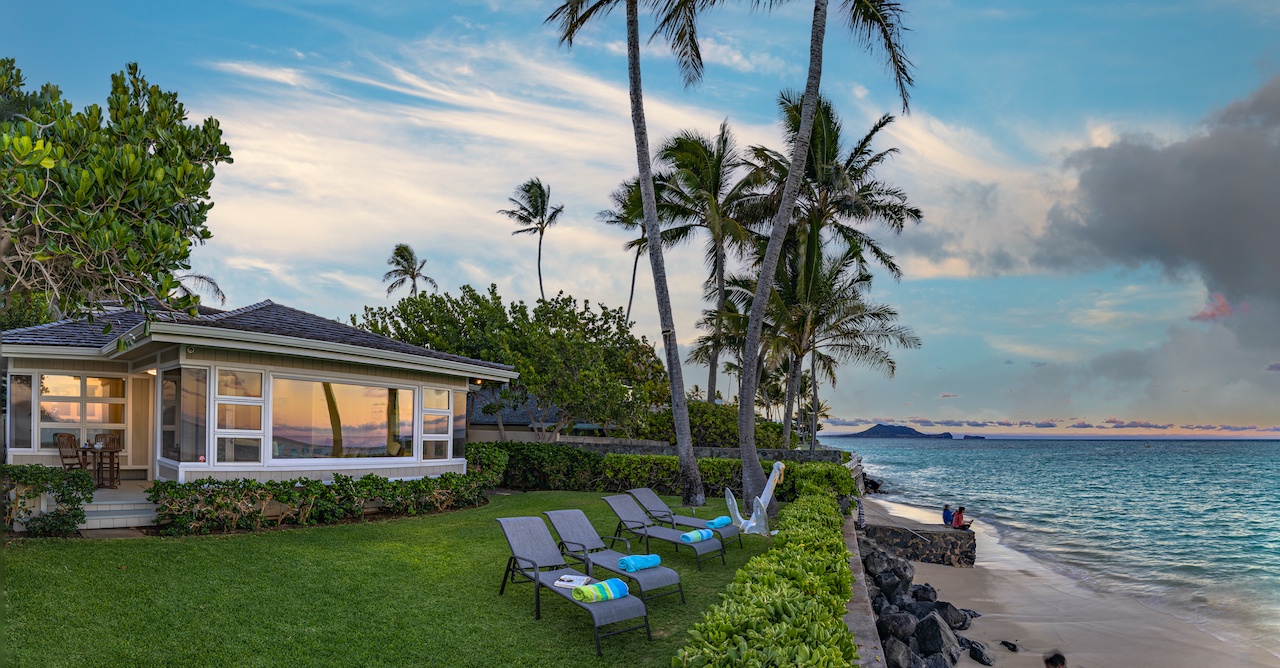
(697, 535)
(722, 521)
(639, 562)
(600, 591)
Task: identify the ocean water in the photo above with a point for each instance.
(1190, 527)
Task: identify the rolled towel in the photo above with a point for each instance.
(697, 535)
(722, 521)
(639, 562)
(600, 591)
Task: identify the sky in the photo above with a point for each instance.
(1100, 180)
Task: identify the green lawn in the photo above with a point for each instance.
(411, 591)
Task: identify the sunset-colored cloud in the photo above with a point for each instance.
(1216, 309)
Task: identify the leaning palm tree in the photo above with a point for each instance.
(406, 268)
(874, 23)
(533, 213)
(628, 214)
(676, 21)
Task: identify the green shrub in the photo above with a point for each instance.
(203, 506)
(24, 483)
(712, 426)
(784, 607)
(550, 466)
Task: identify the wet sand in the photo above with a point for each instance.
(1025, 602)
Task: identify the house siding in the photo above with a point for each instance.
(262, 475)
(245, 358)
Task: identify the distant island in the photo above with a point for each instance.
(893, 431)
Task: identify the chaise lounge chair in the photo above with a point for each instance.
(632, 519)
(579, 540)
(532, 550)
(659, 510)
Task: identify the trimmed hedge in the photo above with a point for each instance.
(71, 490)
(202, 506)
(713, 426)
(784, 607)
(555, 466)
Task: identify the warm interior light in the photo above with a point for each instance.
(151, 372)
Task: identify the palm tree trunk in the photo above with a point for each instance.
(335, 419)
(793, 387)
(753, 478)
(541, 293)
(635, 266)
(690, 478)
(813, 410)
(719, 326)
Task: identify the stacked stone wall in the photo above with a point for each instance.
(949, 547)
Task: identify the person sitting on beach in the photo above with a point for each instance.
(1055, 659)
(957, 520)
(947, 514)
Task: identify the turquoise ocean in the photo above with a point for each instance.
(1188, 527)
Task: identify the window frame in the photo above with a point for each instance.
(269, 458)
(82, 426)
(216, 400)
(423, 437)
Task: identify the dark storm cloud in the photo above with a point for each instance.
(1207, 204)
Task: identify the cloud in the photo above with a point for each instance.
(1274, 366)
(844, 422)
(1080, 425)
(1198, 205)
(283, 75)
(1216, 309)
(948, 395)
(1045, 424)
(1232, 427)
(1136, 424)
(1039, 365)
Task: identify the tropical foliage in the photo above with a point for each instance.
(407, 268)
(532, 212)
(101, 205)
(577, 362)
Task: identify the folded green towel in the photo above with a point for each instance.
(722, 521)
(600, 591)
(697, 535)
(639, 562)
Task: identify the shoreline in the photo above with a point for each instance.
(1026, 602)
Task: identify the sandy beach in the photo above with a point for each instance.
(1025, 602)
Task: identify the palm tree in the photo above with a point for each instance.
(628, 214)
(873, 22)
(703, 193)
(677, 23)
(192, 283)
(534, 214)
(406, 268)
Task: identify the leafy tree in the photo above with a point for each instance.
(676, 21)
(407, 268)
(580, 360)
(874, 23)
(534, 214)
(101, 205)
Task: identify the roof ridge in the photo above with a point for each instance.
(242, 309)
(28, 328)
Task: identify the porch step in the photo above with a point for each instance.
(140, 515)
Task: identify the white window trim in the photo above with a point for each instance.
(83, 426)
(260, 433)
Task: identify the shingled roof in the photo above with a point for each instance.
(265, 317)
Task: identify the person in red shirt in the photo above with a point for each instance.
(957, 520)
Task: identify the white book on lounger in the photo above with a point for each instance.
(571, 581)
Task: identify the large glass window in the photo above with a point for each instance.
(183, 414)
(435, 423)
(312, 420)
(239, 417)
(20, 416)
(89, 407)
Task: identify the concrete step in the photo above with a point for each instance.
(115, 518)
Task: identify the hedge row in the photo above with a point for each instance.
(23, 485)
(784, 607)
(713, 426)
(202, 506)
(553, 466)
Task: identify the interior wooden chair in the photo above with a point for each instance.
(108, 441)
(69, 450)
(110, 465)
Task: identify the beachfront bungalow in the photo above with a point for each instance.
(262, 392)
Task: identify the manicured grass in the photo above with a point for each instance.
(411, 591)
